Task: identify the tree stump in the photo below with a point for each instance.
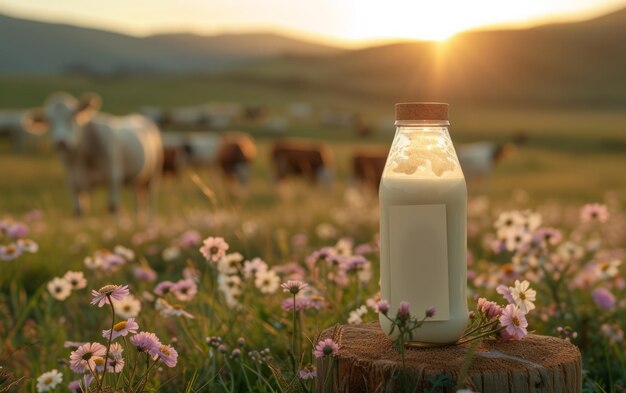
(368, 362)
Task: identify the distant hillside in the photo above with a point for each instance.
(28, 47)
(567, 64)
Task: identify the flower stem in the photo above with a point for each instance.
(106, 356)
(293, 336)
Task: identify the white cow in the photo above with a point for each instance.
(98, 148)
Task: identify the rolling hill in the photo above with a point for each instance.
(31, 47)
(569, 64)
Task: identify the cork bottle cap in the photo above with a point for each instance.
(422, 111)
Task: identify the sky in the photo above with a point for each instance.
(340, 22)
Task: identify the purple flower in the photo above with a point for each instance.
(506, 292)
(107, 293)
(163, 288)
(122, 328)
(326, 347)
(404, 311)
(430, 311)
(301, 304)
(165, 353)
(382, 307)
(293, 286)
(145, 341)
(235, 353)
(144, 273)
(189, 239)
(603, 298)
(514, 322)
(309, 372)
(184, 290)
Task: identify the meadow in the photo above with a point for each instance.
(237, 331)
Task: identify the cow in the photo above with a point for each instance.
(236, 152)
(311, 160)
(368, 165)
(98, 148)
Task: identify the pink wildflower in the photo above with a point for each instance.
(293, 286)
(163, 287)
(214, 248)
(593, 212)
(145, 341)
(122, 328)
(326, 347)
(165, 353)
(184, 290)
(107, 293)
(430, 311)
(404, 311)
(382, 307)
(506, 293)
(603, 298)
(86, 356)
(514, 322)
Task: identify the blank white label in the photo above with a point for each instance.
(418, 258)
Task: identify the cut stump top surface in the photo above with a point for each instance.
(546, 363)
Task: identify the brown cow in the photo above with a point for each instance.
(236, 152)
(368, 165)
(311, 160)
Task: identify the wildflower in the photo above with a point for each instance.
(115, 350)
(300, 304)
(129, 307)
(548, 236)
(229, 285)
(517, 239)
(214, 341)
(326, 347)
(514, 322)
(222, 348)
(108, 293)
(308, 372)
(293, 286)
(603, 298)
(59, 288)
(241, 341)
(382, 307)
(523, 296)
(506, 293)
(9, 252)
(163, 287)
(165, 353)
(267, 282)
(124, 252)
(594, 212)
(189, 239)
(16, 230)
(430, 311)
(570, 250)
(76, 280)
(229, 264)
(613, 332)
(93, 262)
(184, 290)
(236, 353)
(171, 310)
(355, 315)
(78, 386)
(404, 311)
(145, 341)
(608, 269)
(214, 248)
(253, 267)
(115, 365)
(170, 253)
(122, 328)
(27, 245)
(191, 273)
(49, 380)
(144, 273)
(510, 219)
(85, 357)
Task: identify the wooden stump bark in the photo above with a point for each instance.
(368, 362)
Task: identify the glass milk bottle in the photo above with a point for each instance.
(423, 235)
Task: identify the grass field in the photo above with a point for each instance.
(572, 157)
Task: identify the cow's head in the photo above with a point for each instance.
(64, 116)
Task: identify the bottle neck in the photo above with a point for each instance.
(422, 123)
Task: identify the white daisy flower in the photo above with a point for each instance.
(59, 288)
(128, 307)
(49, 380)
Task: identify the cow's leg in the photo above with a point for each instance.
(115, 186)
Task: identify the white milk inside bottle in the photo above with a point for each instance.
(423, 235)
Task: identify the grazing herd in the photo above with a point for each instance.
(101, 149)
